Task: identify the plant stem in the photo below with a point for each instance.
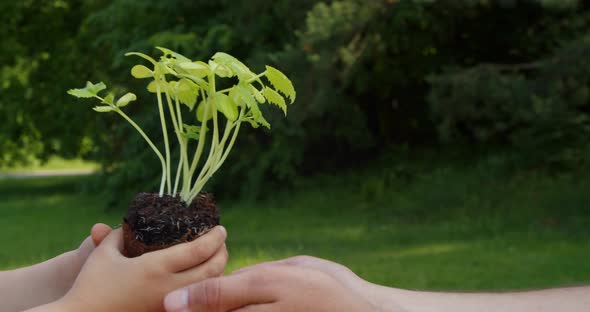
(178, 131)
(165, 134)
(183, 151)
(202, 140)
(215, 135)
(150, 143)
(200, 183)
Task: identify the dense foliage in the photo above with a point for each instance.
(369, 73)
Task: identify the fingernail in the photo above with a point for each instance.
(177, 301)
(223, 230)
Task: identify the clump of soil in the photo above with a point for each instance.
(154, 223)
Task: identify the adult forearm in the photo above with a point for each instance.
(572, 299)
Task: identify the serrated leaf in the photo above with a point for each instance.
(239, 68)
(226, 106)
(187, 92)
(91, 90)
(140, 72)
(252, 123)
(126, 99)
(103, 109)
(263, 122)
(275, 98)
(280, 82)
(201, 111)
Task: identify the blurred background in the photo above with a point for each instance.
(433, 144)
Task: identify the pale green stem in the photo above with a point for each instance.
(202, 139)
(200, 183)
(178, 172)
(151, 144)
(215, 135)
(229, 147)
(251, 80)
(165, 134)
(178, 131)
(183, 152)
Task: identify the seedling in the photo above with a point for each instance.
(187, 96)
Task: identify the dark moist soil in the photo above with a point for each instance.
(154, 222)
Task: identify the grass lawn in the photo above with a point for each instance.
(52, 164)
(451, 228)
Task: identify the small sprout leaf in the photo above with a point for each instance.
(191, 132)
(91, 90)
(187, 92)
(126, 99)
(281, 83)
(109, 99)
(103, 109)
(275, 98)
(201, 111)
(226, 106)
(140, 72)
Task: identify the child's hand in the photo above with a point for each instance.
(47, 281)
(111, 282)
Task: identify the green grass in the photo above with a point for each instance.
(54, 163)
(459, 227)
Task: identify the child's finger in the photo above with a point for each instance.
(98, 232)
(187, 255)
(214, 267)
(114, 240)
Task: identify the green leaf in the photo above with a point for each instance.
(151, 87)
(91, 90)
(220, 70)
(257, 94)
(244, 94)
(140, 72)
(275, 98)
(169, 54)
(252, 123)
(198, 69)
(280, 82)
(187, 92)
(263, 122)
(109, 99)
(201, 110)
(241, 70)
(226, 106)
(103, 109)
(191, 132)
(126, 99)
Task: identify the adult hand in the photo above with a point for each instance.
(295, 284)
(109, 281)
